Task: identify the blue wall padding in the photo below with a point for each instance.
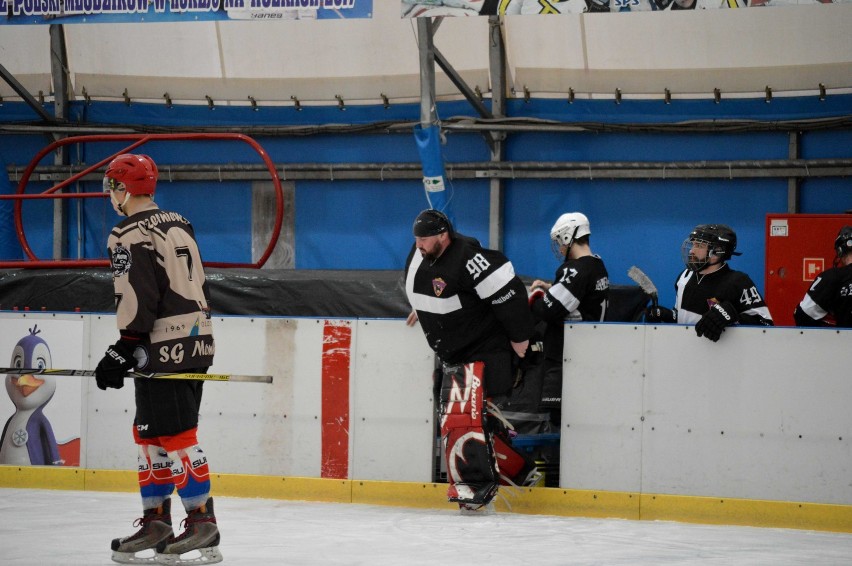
(367, 224)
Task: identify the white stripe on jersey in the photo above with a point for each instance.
(427, 303)
(435, 305)
(561, 293)
(496, 281)
(812, 309)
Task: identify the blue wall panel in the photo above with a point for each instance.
(640, 223)
(367, 224)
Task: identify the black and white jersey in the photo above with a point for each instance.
(468, 300)
(580, 291)
(697, 293)
(830, 297)
(161, 294)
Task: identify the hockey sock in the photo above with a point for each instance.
(155, 475)
(190, 472)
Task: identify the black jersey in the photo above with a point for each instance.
(830, 296)
(697, 293)
(161, 294)
(468, 300)
(580, 291)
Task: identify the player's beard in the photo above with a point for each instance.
(433, 253)
(696, 264)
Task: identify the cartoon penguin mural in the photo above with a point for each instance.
(28, 438)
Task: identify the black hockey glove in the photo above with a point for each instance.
(660, 314)
(115, 364)
(714, 321)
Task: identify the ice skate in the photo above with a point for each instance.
(156, 527)
(201, 534)
(476, 508)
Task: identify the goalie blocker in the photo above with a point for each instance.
(476, 440)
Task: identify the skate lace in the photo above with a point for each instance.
(191, 520)
(144, 520)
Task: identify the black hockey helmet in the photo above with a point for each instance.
(432, 222)
(721, 242)
(843, 241)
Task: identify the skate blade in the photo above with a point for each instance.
(209, 555)
(131, 558)
(467, 509)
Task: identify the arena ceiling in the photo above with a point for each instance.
(790, 49)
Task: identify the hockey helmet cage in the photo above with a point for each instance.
(843, 241)
(569, 227)
(432, 222)
(721, 242)
(137, 172)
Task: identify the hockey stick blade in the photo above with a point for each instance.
(648, 287)
(143, 375)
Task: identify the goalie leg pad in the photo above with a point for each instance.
(516, 468)
(471, 464)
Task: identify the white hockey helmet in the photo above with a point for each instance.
(568, 228)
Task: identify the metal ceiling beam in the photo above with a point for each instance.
(24, 94)
(497, 67)
(59, 73)
(800, 169)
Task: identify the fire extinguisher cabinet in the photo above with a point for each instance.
(798, 248)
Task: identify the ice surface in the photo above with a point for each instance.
(46, 527)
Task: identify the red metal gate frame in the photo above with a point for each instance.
(138, 140)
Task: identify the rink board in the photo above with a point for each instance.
(657, 423)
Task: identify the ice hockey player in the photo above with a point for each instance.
(710, 294)
(163, 317)
(828, 302)
(474, 313)
(580, 291)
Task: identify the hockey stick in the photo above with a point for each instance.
(143, 375)
(644, 282)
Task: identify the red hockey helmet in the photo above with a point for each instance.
(137, 172)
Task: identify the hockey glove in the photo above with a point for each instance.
(115, 364)
(660, 314)
(714, 321)
(536, 294)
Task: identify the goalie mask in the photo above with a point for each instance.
(720, 241)
(568, 228)
(843, 242)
